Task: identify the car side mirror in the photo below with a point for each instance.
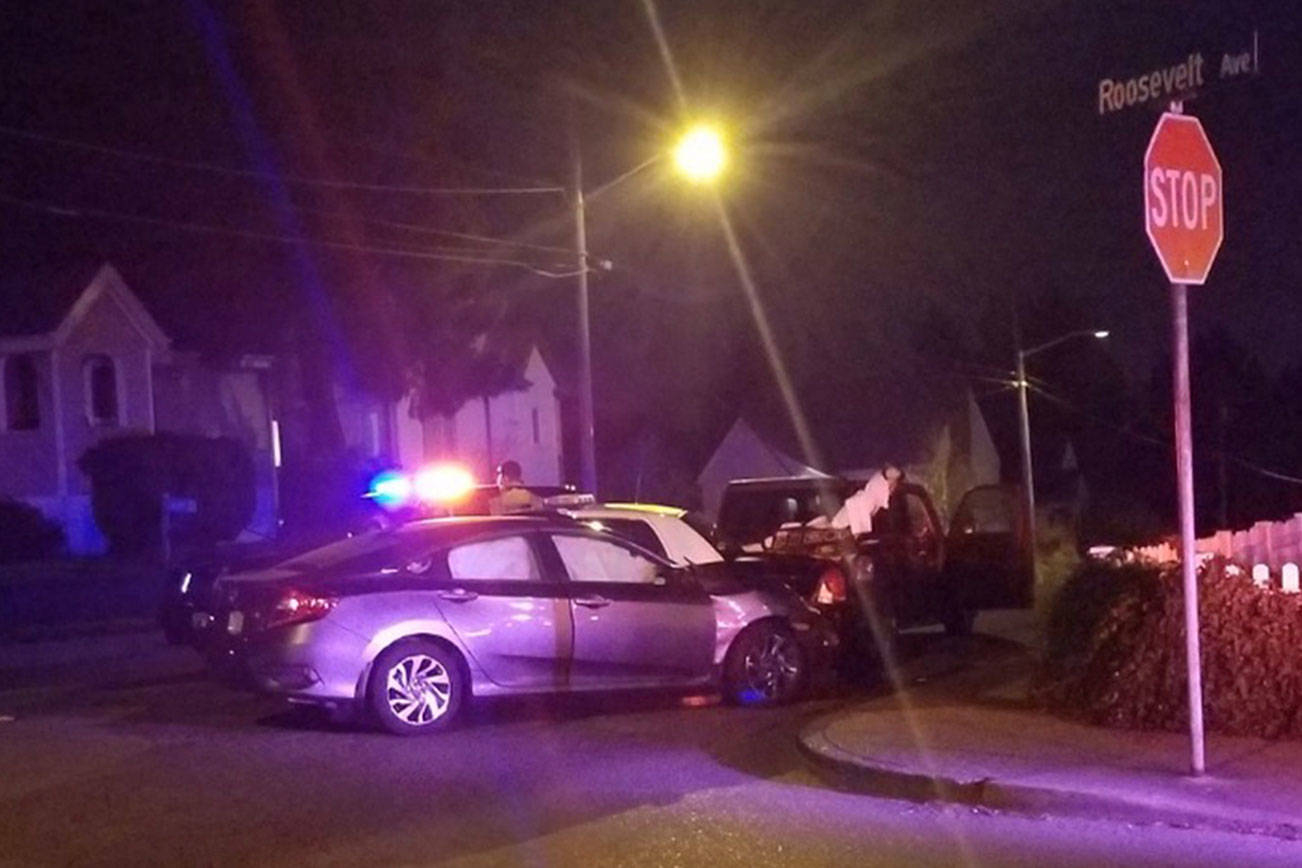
(668, 575)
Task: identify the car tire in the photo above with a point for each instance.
(175, 629)
(765, 666)
(960, 623)
(417, 687)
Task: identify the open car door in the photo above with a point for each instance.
(988, 550)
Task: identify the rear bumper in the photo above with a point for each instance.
(316, 662)
(819, 640)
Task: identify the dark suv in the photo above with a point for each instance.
(909, 571)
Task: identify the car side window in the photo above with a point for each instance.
(594, 560)
(506, 558)
(636, 530)
(984, 511)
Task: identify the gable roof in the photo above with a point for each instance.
(48, 303)
(107, 282)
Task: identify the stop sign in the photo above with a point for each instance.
(1183, 211)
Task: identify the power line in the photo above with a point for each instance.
(1156, 441)
(471, 257)
(409, 227)
(214, 168)
(427, 230)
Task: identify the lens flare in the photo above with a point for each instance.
(390, 489)
(443, 483)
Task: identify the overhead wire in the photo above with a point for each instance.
(469, 257)
(1157, 441)
(325, 183)
(403, 226)
(427, 230)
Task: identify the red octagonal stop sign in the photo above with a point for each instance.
(1183, 211)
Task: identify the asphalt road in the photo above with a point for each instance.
(139, 760)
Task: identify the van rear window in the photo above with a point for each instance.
(748, 516)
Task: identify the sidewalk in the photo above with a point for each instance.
(972, 739)
(100, 660)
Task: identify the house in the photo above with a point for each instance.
(936, 432)
(522, 423)
(83, 359)
(744, 454)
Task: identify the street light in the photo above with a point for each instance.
(700, 155)
(1028, 479)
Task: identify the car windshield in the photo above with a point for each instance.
(361, 553)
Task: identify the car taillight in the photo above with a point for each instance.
(831, 587)
(295, 607)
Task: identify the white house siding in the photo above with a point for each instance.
(514, 437)
(29, 459)
(104, 330)
(366, 423)
(190, 399)
(463, 436)
(408, 435)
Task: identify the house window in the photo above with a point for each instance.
(537, 429)
(101, 390)
(22, 405)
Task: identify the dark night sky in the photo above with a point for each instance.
(892, 157)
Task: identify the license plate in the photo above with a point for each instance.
(235, 623)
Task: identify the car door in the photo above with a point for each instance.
(913, 545)
(988, 551)
(511, 615)
(637, 620)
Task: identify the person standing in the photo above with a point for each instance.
(512, 496)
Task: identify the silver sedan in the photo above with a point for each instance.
(409, 624)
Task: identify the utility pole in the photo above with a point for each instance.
(587, 425)
(1028, 474)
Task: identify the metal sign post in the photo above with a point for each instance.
(1184, 219)
(1188, 556)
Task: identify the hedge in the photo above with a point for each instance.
(26, 534)
(1116, 651)
(130, 476)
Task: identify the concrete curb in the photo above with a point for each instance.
(863, 775)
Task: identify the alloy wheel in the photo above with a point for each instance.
(418, 689)
(773, 667)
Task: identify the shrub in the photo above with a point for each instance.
(1117, 652)
(1057, 559)
(26, 534)
(130, 476)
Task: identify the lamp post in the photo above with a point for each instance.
(700, 156)
(1028, 477)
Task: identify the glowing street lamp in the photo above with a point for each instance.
(700, 156)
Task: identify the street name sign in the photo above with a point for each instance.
(1183, 201)
(1191, 75)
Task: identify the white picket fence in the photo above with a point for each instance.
(1272, 549)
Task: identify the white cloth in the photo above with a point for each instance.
(857, 511)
